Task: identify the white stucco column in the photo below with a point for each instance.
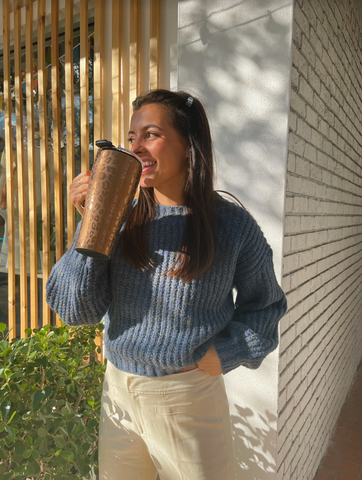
(236, 57)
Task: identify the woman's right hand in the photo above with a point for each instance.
(78, 190)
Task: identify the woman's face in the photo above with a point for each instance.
(163, 151)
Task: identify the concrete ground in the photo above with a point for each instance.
(343, 460)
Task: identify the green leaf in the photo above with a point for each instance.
(3, 453)
(12, 416)
(37, 442)
(28, 331)
(92, 424)
(7, 476)
(42, 432)
(11, 432)
(78, 429)
(83, 468)
(51, 403)
(38, 399)
(35, 454)
(20, 447)
(29, 470)
(3, 327)
(5, 409)
(48, 390)
(27, 453)
(67, 455)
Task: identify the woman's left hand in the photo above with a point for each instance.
(210, 363)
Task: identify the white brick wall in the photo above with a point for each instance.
(321, 335)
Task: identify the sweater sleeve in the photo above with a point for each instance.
(260, 303)
(78, 287)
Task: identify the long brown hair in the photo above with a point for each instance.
(188, 117)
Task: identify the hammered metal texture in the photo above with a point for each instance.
(112, 187)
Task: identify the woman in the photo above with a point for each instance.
(172, 326)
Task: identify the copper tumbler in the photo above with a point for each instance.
(112, 186)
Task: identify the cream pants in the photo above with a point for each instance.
(177, 425)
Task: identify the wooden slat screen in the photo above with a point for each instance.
(69, 107)
(58, 174)
(9, 173)
(84, 85)
(134, 58)
(98, 66)
(116, 71)
(45, 154)
(20, 170)
(31, 166)
(154, 44)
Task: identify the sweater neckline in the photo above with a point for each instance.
(164, 210)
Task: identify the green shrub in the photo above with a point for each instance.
(50, 393)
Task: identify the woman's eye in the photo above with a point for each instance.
(151, 134)
(130, 140)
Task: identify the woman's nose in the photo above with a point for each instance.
(137, 146)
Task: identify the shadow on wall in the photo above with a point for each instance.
(246, 99)
(252, 453)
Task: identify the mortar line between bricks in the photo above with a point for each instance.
(323, 200)
(296, 89)
(308, 232)
(335, 252)
(342, 328)
(301, 52)
(314, 214)
(318, 182)
(330, 126)
(305, 314)
(310, 385)
(320, 259)
(323, 271)
(315, 321)
(293, 174)
(319, 244)
(323, 406)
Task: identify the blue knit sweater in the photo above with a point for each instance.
(155, 324)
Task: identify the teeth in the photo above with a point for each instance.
(147, 164)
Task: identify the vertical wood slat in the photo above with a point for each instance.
(20, 169)
(134, 58)
(57, 155)
(69, 107)
(125, 77)
(31, 166)
(43, 155)
(9, 172)
(97, 69)
(98, 83)
(144, 11)
(154, 44)
(84, 86)
(58, 174)
(116, 71)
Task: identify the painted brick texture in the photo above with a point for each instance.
(321, 335)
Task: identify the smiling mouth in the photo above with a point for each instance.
(147, 166)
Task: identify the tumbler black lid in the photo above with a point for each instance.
(104, 144)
